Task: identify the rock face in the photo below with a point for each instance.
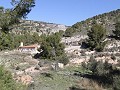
(39, 27)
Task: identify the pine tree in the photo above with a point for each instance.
(11, 16)
(117, 30)
(96, 37)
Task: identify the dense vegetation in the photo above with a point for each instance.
(11, 41)
(7, 82)
(11, 16)
(107, 20)
(104, 73)
(117, 30)
(52, 48)
(96, 37)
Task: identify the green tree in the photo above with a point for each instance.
(96, 37)
(7, 82)
(105, 72)
(6, 41)
(51, 46)
(11, 16)
(117, 30)
(36, 38)
(69, 32)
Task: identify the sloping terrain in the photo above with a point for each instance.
(37, 26)
(107, 20)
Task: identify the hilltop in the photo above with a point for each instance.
(107, 20)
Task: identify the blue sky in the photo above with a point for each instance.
(67, 12)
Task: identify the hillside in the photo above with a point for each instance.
(37, 26)
(107, 20)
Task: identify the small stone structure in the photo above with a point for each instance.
(29, 49)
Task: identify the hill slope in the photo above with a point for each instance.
(107, 20)
(39, 27)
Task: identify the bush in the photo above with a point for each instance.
(7, 82)
(69, 32)
(96, 36)
(51, 47)
(104, 73)
(116, 84)
(117, 30)
(63, 59)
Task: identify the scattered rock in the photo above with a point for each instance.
(19, 73)
(60, 65)
(31, 70)
(25, 79)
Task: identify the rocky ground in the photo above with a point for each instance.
(39, 75)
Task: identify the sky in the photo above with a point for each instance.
(67, 12)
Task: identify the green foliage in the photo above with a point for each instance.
(63, 59)
(99, 68)
(117, 30)
(7, 82)
(105, 71)
(69, 32)
(11, 16)
(9, 41)
(96, 37)
(22, 7)
(116, 84)
(61, 32)
(6, 41)
(105, 19)
(8, 17)
(51, 46)
(92, 64)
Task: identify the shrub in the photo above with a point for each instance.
(7, 82)
(104, 73)
(117, 30)
(116, 84)
(63, 59)
(69, 32)
(96, 37)
(51, 47)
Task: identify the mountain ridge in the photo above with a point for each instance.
(107, 20)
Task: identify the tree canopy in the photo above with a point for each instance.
(51, 46)
(96, 37)
(11, 16)
(7, 82)
(117, 30)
